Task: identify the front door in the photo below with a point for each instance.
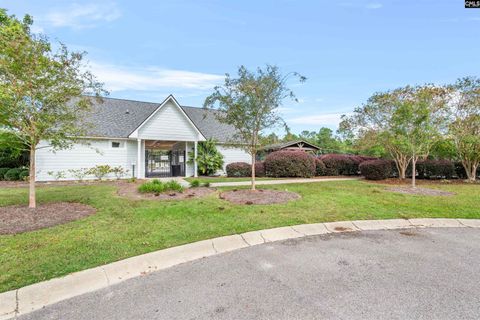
(164, 163)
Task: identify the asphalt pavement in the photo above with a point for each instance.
(397, 274)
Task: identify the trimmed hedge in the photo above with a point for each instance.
(13, 174)
(376, 169)
(290, 164)
(341, 164)
(2, 173)
(24, 175)
(239, 169)
(320, 168)
(259, 169)
(435, 169)
(243, 169)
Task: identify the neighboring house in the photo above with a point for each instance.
(299, 145)
(147, 139)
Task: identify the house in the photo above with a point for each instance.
(147, 139)
(299, 145)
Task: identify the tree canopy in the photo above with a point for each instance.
(250, 103)
(42, 90)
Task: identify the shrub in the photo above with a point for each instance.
(119, 172)
(341, 164)
(206, 184)
(195, 183)
(435, 169)
(209, 159)
(320, 168)
(2, 173)
(376, 169)
(156, 186)
(100, 171)
(259, 169)
(57, 175)
(290, 164)
(239, 169)
(173, 185)
(13, 174)
(78, 174)
(24, 175)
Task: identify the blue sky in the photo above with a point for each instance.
(145, 50)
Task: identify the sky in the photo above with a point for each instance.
(348, 50)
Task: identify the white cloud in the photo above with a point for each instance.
(374, 5)
(82, 16)
(318, 119)
(118, 78)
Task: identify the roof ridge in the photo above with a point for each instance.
(131, 100)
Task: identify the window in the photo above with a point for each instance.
(117, 144)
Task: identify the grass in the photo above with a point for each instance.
(123, 228)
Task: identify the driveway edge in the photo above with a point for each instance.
(36, 296)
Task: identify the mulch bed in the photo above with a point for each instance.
(17, 219)
(130, 190)
(258, 196)
(420, 191)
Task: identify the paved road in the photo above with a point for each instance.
(410, 274)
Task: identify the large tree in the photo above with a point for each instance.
(250, 103)
(465, 125)
(407, 121)
(42, 90)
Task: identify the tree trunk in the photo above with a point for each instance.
(470, 169)
(402, 165)
(253, 171)
(32, 202)
(414, 171)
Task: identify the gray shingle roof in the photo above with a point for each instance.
(282, 145)
(118, 118)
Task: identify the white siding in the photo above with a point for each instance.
(233, 154)
(84, 155)
(169, 123)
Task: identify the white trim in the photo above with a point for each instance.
(134, 134)
(195, 165)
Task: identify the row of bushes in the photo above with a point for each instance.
(280, 164)
(380, 169)
(15, 174)
(156, 186)
(301, 164)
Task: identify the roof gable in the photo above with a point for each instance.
(168, 122)
(300, 144)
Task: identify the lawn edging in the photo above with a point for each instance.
(33, 297)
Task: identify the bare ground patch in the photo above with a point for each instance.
(130, 190)
(17, 219)
(420, 191)
(258, 196)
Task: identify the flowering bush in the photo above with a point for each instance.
(341, 164)
(290, 164)
(239, 169)
(376, 169)
(320, 167)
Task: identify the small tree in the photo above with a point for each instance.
(465, 126)
(209, 159)
(250, 104)
(407, 121)
(41, 91)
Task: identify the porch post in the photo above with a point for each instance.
(185, 162)
(195, 167)
(139, 158)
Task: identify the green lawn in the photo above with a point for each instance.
(205, 179)
(124, 228)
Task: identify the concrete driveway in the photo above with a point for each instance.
(398, 274)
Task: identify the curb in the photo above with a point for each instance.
(36, 296)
